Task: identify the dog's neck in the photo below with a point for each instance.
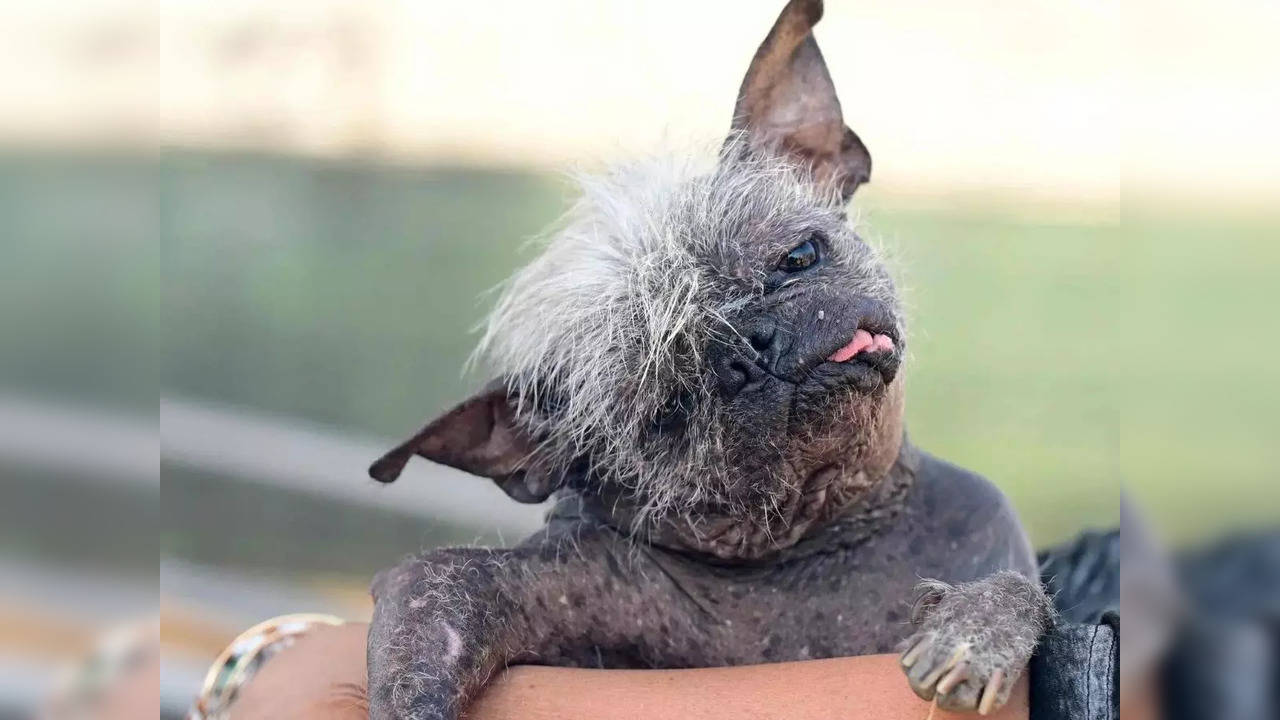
(862, 499)
(852, 496)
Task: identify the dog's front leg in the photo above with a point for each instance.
(973, 640)
(445, 621)
(440, 622)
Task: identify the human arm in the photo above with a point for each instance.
(322, 678)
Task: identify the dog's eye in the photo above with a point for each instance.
(800, 257)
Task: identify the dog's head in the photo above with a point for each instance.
(712, 342)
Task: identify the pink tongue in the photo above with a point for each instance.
(862, 340)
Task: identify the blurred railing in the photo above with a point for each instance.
(308, 459)
(203, 603)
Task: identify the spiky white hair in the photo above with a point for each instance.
(608, 326)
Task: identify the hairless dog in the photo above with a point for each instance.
(704, 368)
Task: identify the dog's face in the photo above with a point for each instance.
(701, 341)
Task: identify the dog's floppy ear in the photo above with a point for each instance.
(481, 437)
(788, 104)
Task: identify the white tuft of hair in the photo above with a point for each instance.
(610, 323)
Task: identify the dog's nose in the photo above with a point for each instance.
(762, 338)
(735, 373)
(739, 368)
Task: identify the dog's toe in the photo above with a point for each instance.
(959, 676)
(932, 664)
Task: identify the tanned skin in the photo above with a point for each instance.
(723, 436)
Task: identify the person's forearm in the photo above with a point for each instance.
(853, 688)
(322, 678)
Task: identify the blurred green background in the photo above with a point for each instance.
(1061, 352)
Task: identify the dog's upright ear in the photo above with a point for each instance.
(479, 436)
(788, 103)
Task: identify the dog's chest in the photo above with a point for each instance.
(822, 607)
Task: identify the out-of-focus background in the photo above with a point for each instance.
(278, 220)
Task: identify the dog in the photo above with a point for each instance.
(703, 367)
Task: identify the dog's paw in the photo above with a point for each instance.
(958, 674)
(974, 640)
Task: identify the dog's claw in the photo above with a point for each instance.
(913, 653)
(953, 678)
(957, 656)
(928, 664)
(991, 692)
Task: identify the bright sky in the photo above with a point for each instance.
(1086, 99)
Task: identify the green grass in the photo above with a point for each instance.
(1061, 358)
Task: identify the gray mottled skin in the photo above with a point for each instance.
(580, 593)
(728, 491)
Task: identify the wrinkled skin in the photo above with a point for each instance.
(749, 496)
(581, 594)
